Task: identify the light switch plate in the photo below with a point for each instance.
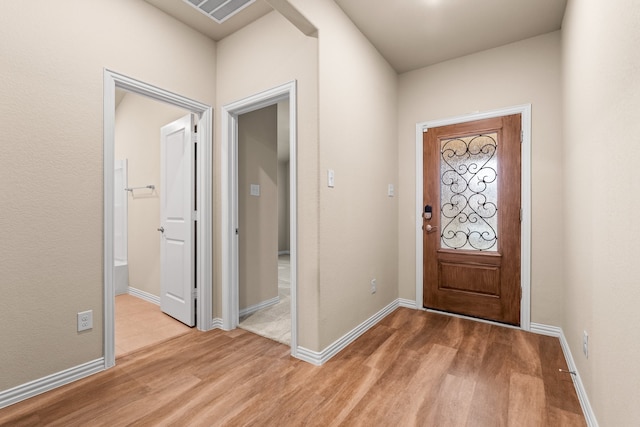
(255, 190)
(331, 178)
(391, 190)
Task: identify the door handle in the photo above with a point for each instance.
(161, 229)
(430, 228)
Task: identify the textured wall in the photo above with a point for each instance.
(263, 55)
(601, 65)
(358, 135)
(51, 96)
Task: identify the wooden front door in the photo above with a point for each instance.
(471, 219)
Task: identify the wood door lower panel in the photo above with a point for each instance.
(476, 279)
(467, 284)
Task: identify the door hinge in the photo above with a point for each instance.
(520, 214)
(194, 294)
(236, 231)
(195, 216)
(521, 136)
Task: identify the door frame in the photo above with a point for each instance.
(113, 80)
(525, 226)
(229, 190)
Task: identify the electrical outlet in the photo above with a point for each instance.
(374, 286)
(585, 344)
(85, 320)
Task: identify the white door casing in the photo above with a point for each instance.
(204, 271)
(229, 195)
(525, 226)
(177, 284)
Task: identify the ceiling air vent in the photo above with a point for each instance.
(219, 10)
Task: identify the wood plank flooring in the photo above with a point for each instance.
(412, 369)
(140, 323)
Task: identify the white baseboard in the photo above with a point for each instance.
(309, 356)
(259, 306)
(216, 323)
(153, 299)
(408, 303)
(541, 329)
(557, 332)
(39, 386)
(319, 358)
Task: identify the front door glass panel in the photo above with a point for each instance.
(469, 193)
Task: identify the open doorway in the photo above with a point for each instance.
(264, 276)
(139, 197)
(230, 198)
(199, 219)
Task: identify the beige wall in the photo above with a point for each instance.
(357, 140)
(258, 215)
(283, 206)
(137, 138)
(53, 56)
(283, 176)
(515, 74)
(601, 65)
(263, 55)
(358, 134)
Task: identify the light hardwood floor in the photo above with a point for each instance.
(140, 324)
(413, 368)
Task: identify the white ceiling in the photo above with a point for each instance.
(412, 34)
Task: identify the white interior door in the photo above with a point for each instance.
(177, 282)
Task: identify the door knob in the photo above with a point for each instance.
(430, 228)
(161, 229)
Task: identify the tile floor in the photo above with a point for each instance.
(140, 323)
(274, 322)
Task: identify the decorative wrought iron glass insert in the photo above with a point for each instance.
(469, 192)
